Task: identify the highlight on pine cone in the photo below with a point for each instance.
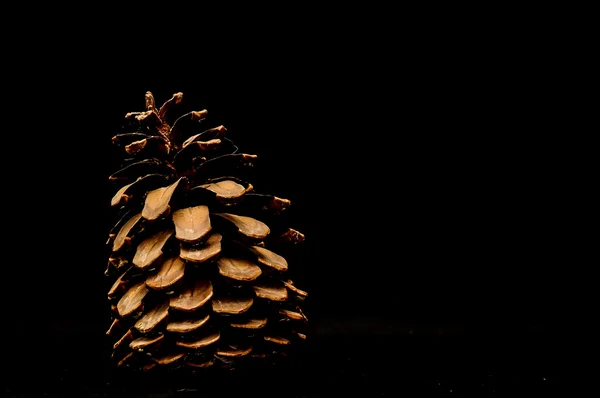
(197, 271)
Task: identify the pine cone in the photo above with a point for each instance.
(195, 256)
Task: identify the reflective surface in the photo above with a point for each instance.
(417, 361)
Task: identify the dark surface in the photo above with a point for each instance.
(366, 365)
(364, 355)
(437, 195)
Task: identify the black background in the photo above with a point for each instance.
(432, 178)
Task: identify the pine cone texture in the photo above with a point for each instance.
(196, 257)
